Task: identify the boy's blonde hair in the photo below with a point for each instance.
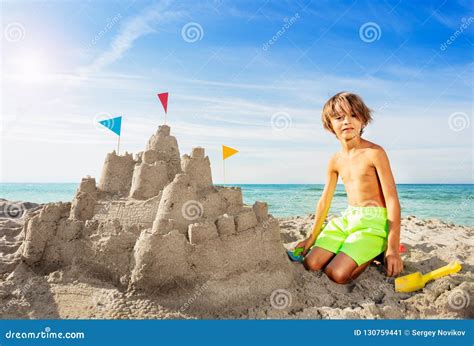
(347, 103)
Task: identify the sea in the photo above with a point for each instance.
(448, 202)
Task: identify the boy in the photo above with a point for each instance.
(371, 223)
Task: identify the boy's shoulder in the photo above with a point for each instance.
(372, 151)
(373, 148)
(367, 147)
(376, 153)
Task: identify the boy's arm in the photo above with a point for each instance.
(389, 189)
(324, 202)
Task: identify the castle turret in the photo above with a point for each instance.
(116, 177)
(157, 165)
(166, 148)
(149, 179)
(198, 167)
(179, 204)
(82, 207)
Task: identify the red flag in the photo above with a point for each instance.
(164, 100)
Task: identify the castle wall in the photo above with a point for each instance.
(128, 212)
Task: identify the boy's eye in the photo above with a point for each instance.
(354, 116)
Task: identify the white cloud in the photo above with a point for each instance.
(143, 24)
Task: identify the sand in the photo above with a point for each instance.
(155, 238)
(69, 293)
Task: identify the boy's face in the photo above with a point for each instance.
(345, 124)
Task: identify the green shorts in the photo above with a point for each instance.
(361, 233)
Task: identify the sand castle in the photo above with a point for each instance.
(155, 223)
(156, 239)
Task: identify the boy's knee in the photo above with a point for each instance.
(312, 264)
(338, 276)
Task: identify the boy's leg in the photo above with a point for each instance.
(317, 258)
(342, 269)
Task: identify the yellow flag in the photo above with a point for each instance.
(228, 151)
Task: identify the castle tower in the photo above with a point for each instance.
(198, 167)
(82, 207)
(166, 149)
(157, 165)
(149, 179)
(116, 177)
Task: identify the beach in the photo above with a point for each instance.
(69, 293)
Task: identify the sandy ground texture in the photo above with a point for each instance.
(70, 293)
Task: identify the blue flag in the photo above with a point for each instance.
(114, 124)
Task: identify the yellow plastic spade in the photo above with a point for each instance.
(416, 281)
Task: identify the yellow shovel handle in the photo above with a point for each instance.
(450, 268)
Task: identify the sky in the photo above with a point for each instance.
(252, 75)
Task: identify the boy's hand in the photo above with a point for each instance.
(393, 263)
(306, 244)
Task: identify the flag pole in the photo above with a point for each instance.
(223, 165)
(118, 145)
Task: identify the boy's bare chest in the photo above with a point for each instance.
(356, 169)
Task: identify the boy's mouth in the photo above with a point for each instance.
(348, 129)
